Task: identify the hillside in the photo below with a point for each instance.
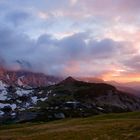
(124, 126)
(68, 99)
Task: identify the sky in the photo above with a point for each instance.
(87, 38)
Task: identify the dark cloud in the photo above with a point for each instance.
(14, 45)
(17, 17)
(54, 56)
(104, 48)
(74, 46)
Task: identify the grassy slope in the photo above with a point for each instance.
(125, 126)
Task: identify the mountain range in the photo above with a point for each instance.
(30, 101)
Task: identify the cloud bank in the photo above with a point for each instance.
(71, 37)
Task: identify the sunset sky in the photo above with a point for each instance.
(91, 38)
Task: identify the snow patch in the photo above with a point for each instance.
(13, 106)
(3, 95)
(1, 113)
(21, 92)
(34, 99)
(100, 108)
(43, 99)
(3, 91)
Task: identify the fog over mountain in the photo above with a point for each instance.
(68, 55)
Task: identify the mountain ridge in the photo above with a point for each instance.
(68, 98)
(27, 78)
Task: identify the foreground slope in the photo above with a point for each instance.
(124, 126)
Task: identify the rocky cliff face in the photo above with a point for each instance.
(26, 78)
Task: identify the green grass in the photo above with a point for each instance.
(124, 126)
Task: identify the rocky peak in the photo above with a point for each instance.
(68, 80)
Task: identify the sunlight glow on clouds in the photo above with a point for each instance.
(72, 37)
